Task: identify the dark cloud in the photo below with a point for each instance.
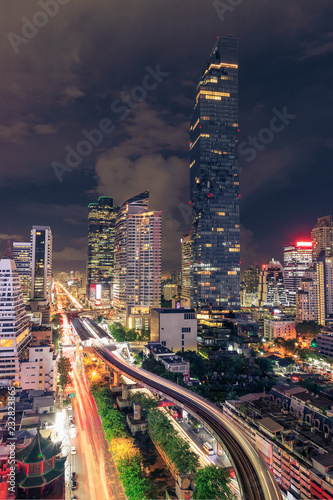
(66, 76)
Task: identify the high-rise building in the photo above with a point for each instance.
(297, 258)
(137, 256)
(314, 301)
(214, 179)
(251, 279)
(14, 322)
(41, 263)
(306, 298)
(22, 259)
(323, 268)
(176, 277)
(186, 270)
(322, 237)
(100, 262)
(272, 290)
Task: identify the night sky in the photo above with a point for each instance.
(71, 73)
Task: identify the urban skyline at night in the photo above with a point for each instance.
(166, 250)
(157, 140)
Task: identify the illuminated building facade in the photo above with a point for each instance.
(251, 279)
(322, 237)
(100, 262)
(22, 258)
(297, 259)
(214, 180)
(41, 263)
(14, 323)
(306, 298)
(272, 290)
(137, 254)
(186, 270)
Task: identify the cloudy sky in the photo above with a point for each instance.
(66, 66)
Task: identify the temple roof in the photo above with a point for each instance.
(38, 450)
(40, 480)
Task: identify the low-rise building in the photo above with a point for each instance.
(39, 371)
(175, 328)
(288, 427)
(324, 344)
(279, 326)
(41, 335)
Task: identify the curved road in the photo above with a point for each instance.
(256, 480)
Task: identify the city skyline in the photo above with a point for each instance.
(149, 148)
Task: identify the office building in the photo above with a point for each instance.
(14, 323)
(214, 181)
(100, 261)
(323, 269)
(176, 277)
(251, 279)
(174, 328)
(22, 259)
(306, 298)
(170, 291)
(137, 267)
(186, 271)
(41, 263)
(322, 237)
(297, 258)
(272, 290)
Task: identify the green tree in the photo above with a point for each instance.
(308, 327)
(100, 318)
(212, 483)
(64, 370)
(265, 365)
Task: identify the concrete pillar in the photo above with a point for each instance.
(124, 394)
(137, 411)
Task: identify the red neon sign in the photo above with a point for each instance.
(305, 244)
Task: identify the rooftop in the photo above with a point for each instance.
(173, 310)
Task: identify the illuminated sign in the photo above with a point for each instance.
(304, 244)
(98, 295)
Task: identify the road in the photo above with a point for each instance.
(256, 480)
(97, 478)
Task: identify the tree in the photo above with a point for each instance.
(265, 365)
(308, 327)
(212, 483)
(3, 397)
(64, 370)
(100, 318)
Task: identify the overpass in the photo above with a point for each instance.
(255, 478)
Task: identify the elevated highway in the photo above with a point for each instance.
(255, 478)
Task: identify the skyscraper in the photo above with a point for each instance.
(137, 270)
(214, 179)
(272, 290)
(251, 279)
(14, 322)
(22, 259)
(186, 270)
(100, 262)
(322, 237)
(297, 259)
(41, 263)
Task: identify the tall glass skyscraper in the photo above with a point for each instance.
(214, 174)
(41, 263)
(101, 226)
